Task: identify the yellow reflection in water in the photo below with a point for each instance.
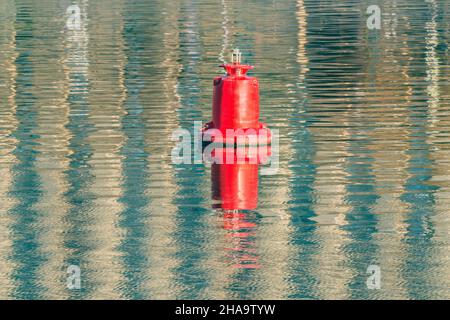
(162, 282)
(106, 74)
(51, 90)
(391, 160)
(8, 124)
(438, 125)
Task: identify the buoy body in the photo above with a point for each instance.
(235, 107)
(243, 143)
(235, 99)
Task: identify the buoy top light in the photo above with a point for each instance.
(235, 68)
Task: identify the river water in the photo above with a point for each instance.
(87, 111)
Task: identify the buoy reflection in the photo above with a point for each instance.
(235, 193)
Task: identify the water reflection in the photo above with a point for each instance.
(86, 117)
(234, 184)
(162, 246)
(105, 161)
(51, 161)
(437, 122)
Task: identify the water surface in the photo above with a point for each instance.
(86, 177)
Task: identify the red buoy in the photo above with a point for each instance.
(243, 143)
(236, 106)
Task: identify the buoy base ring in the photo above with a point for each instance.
(249, 137)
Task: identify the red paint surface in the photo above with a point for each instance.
(236, 99)
(236, 106)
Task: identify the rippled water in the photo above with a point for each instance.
(86, 178)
